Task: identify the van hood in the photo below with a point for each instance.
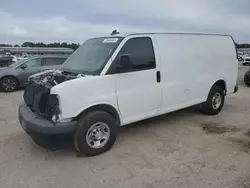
(50, 78)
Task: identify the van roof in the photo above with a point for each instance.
(134, 33)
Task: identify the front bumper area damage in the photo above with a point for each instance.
(37, 95)
(39, 114)
(43, 132)
(32, 123)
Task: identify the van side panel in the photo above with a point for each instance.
(191, 64)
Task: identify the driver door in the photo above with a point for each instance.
(30, 67)
(137, 88)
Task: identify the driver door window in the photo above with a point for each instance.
(137, 54)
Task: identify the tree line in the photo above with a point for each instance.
(73, 46)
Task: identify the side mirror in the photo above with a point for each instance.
(23, 66)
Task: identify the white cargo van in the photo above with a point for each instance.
(120, 79)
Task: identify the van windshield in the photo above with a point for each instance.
(91, 57)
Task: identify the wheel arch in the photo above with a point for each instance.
(221, 83)
(101, 107)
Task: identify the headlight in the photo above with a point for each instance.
(54, 118)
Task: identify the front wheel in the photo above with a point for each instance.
(96, 133)
(8, 84)
(215, 101)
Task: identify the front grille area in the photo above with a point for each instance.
(247, 60)
(28, 95)
(37, 97)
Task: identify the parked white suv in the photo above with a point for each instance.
(117, 80)
(246, 59)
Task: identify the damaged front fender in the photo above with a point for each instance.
(38, 95)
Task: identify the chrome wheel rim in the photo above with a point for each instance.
(98, 135)
(9, 85)
(216, 101)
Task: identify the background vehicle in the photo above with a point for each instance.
(246, 59)
(15, 59)
(6, 61)
(24, 56)
(114, 81)
(16, 74)
(240, 55)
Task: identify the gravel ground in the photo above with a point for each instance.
(181, 149)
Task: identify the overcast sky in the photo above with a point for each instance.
(77, 20)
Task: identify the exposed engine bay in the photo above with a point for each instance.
(51, 78)
(37, 94)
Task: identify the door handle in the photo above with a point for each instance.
(158, 76)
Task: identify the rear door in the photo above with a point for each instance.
(53, 62)
(138, 89)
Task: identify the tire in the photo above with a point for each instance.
(247, 84)
(210, 107)
(247, 80)
(89, 125)
(8, 84)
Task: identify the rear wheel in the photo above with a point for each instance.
(247, 79)
(215, 101)
(8, 84)
(96, 133)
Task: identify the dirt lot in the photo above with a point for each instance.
(181, 149)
